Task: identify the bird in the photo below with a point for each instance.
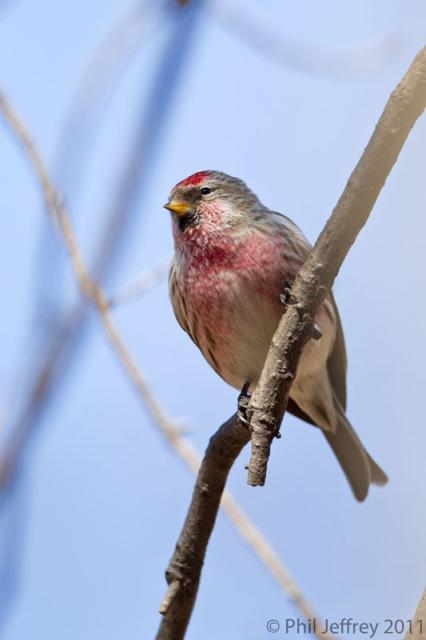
(234, 260)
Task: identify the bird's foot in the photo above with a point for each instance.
(287, 297)
(243, 401)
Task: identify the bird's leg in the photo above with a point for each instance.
(243, 400)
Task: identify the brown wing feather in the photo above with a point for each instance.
(336, 366)
(295, 410)
(337, 363)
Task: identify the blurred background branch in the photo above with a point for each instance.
(342, 65)
(160, 419)
(62, 344)
(146, 281)
(184, 570)
(45, 374)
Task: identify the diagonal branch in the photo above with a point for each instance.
(317, 275)
(271, 394)
(162, 421)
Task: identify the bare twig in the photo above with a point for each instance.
(418, 625)
(170, 596)
(180, 445)
(317, 275)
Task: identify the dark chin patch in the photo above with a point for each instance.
(188, 220)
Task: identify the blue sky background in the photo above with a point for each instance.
(99, 499)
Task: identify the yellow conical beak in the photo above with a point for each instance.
(179, 208)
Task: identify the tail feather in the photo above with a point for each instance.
(378, 476)
(358, 466)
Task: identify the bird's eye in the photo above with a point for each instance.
(205, 190)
